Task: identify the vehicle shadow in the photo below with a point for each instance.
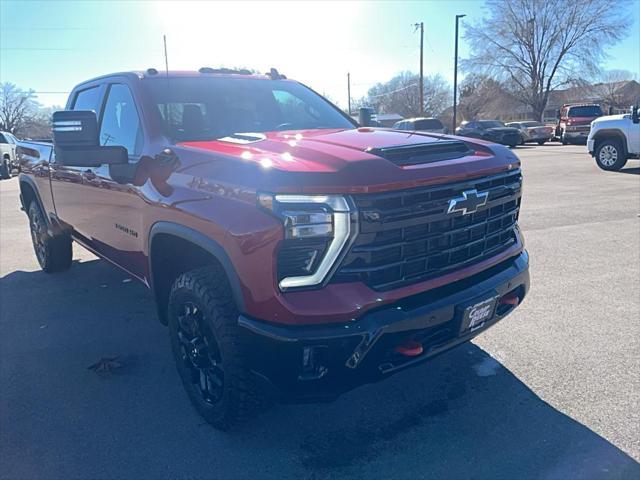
(461, 415)
(632, 170)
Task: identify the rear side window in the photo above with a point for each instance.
(3, 139)
(87, 99)
(120, 120)
(428, 124)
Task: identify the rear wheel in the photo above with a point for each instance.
(54, 252)
(541, 142)
(208, 349)
(610, 155)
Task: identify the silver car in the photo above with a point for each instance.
(532, 131)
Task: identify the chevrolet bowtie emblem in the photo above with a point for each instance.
(469, 202)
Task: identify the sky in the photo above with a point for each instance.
(50, 46)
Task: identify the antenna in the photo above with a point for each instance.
(167, 113)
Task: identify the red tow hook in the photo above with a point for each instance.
(510, 299)
(410, 348)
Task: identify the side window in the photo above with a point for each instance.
(120, 121)
(87, 99)
(3, 139)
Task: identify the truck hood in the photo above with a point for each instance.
(301, 160)
(609, 118)
(311, 150)
(581, 120)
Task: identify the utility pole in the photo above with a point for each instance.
(421, 67)
(349, 91)
(455, 77)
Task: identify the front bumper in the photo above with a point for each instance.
(579, 136)
(320, 362)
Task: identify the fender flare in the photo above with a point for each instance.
(206, 243)
(24, 179)
(612, 132)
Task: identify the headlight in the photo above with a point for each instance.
(317, 229)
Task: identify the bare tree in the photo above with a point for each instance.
(480, 96)
(536, 46)
(16, 107)
(617, 88)
(401, 95)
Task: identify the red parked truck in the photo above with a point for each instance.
(292, 254)
(574, 121)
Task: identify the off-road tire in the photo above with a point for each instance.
(53, 252)
(240, 398)
(610, 155)
(5, 169)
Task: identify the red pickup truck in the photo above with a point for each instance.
(292, 254)
(574, 121)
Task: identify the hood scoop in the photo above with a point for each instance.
(438, 151)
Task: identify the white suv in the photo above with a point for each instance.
(614, 139)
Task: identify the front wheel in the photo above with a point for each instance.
(563, 138)
(610, 155)
(54, 252)
(541, 142)
(208, 349)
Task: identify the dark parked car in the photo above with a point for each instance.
(432, 125)
(290, 253)
(490, 130)
(532, 131)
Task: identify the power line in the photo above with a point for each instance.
(43, 49)
(394, 91)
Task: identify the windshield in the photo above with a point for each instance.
(585, 111)
(194, 109)
(428, 124)
(491, 124)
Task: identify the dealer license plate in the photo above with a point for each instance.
(476, 315)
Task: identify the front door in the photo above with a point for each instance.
(116, 222)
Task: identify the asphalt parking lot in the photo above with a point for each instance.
(551, 392)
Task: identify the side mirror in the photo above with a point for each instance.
(635, 115)
(76, 141)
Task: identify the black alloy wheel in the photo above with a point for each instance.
(200, 353)
(210, 351)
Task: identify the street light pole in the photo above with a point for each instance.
(421, 70)
(455, 76)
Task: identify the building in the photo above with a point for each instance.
(617, 96)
